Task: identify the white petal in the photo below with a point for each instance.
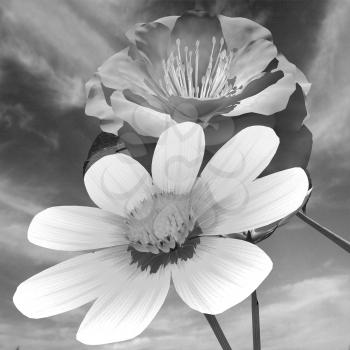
(121, 72)
(269, 199)
(275, 97)
(241, 159)
(76, 228)
(223, 182)
(251, 60)
(126, 309)
(222, 273)
(96, 106)
(299, 76)
(145, 121)
(240, 31)
(178, 157)
(271, 100)
(209, 207)
(168, 21)
(67, 285)
(117, 183)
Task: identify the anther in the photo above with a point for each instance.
(178, 73)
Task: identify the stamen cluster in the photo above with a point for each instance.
(181, 73)
(160, 223)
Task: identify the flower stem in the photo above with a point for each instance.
(341, 242)
(220, 336)
(255, 322)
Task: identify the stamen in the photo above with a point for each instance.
(209, 69)
(178, 73)
(196, 70)
(166, 225)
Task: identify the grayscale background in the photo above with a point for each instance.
(48, 49)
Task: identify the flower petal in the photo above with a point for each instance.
(96, 106)
(209, 207)
(270, 100)
(197, 26)
(121, 72)
(151, 40)
(145, 121)
(240, 31)
(269, 199)
(76, 228)
(294, 150)
(126, 309)
(242, 158)
(117, 183)
(293, 116)
(251, 60)
(223, 182)
(222, 129)
(141, 148)
(67, 285)
(192, 109)
(300, 77)
(178, 157)
(275, 97)
(222, 273)
(168, 21)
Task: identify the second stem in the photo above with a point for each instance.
(255, 322)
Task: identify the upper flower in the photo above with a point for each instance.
(150, 230)
(191, 68)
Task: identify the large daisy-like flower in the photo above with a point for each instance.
(150, 231)
(223, 73)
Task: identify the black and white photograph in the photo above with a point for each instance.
(174, 174)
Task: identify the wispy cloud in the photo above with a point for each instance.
(15, 199)
(330, 108)
(47, 50)
(310, 314)
(330, 75)
(316, 312)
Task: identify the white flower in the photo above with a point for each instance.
(149, 231)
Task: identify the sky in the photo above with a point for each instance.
(48, 49)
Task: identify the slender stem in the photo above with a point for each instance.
(220, 336)
(255, 322)
(341, 242)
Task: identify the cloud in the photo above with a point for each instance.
(47, 50)
(310, 314)
(24, 56)
(330, 76)
(330, 108)
(18, 206)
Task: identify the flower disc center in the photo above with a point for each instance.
(160, 224)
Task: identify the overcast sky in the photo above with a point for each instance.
(48, 49)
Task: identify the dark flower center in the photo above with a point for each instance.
(160, 223)
(162, 230)
(153, 262)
